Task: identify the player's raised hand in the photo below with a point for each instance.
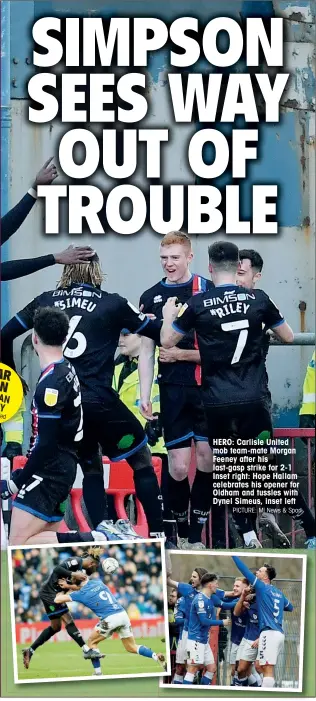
(47, 174)
(146, 410)
(73, 255)
(171, 309)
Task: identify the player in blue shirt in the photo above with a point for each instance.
(113, 618)
(202, 617)
(248, 648)
(188, 592)
(271, 603)
(238, 625)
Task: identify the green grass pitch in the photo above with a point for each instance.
(62, 660)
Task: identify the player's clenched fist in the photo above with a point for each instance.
(171, 309)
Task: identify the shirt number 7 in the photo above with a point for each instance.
(243, 326)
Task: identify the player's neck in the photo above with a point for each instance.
(49, 355)
(223, 279)
(185, 278)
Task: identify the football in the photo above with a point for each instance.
(110, 565)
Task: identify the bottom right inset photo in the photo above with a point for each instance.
(236, 620)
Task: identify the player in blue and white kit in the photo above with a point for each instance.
(188, 592)
(248, 648)
(202, 617)
(238, 626)
(271, 604)
(113, 618)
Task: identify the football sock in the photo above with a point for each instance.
(75, 634)
(189, 678)
(179, 496)
(148, 493)
(207, 678)
(94, 497)
(201, 499)
(146, 652)
(45, 635)
(97, 666)
(268, 681)
(178, 679)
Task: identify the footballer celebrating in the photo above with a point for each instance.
(271, 604)
(179, 378)
(44, 483)
(229, 322)
(95, 321)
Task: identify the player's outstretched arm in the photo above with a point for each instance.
(13, 269)
(288, 606)
(146, 367)
(62, 598)
(252, 579)
(225, 605)
(12, 221)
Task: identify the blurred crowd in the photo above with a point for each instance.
(137, 584)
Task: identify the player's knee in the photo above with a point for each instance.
(56, 625)
(67, 618)
(179, 464)
(93, 466)
(211, 667)
(140, 459)
(204, 459)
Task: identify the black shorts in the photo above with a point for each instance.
(53, 610)
(182, 415)
(110, 424)
(45, 493)
(238, 420)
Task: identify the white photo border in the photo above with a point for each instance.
(261, 689)
(104, 545)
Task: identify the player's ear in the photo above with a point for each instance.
(190, 256)
(210, 268)
(257, 277)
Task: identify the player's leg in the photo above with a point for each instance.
(181, 659)
(209, 666)
(74, 633)
(243, 672)
(177, 425)
(271, 644)
(122, 438)
(44, 636)
(233, 661)
(90, 459)
(195, 660)
(201, 491)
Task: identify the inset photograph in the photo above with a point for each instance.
(236, 621)
(88, 612)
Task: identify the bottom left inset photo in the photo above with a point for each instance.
(88, 612)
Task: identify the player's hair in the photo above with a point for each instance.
(271, 572)
(254, 257)
(51, 325)
(208, 577)
(224, 256)
(95, 552)
(201, 571)
(80, 273)
(176, 237)
(244, 580)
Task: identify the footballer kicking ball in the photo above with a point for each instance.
(110, 565)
